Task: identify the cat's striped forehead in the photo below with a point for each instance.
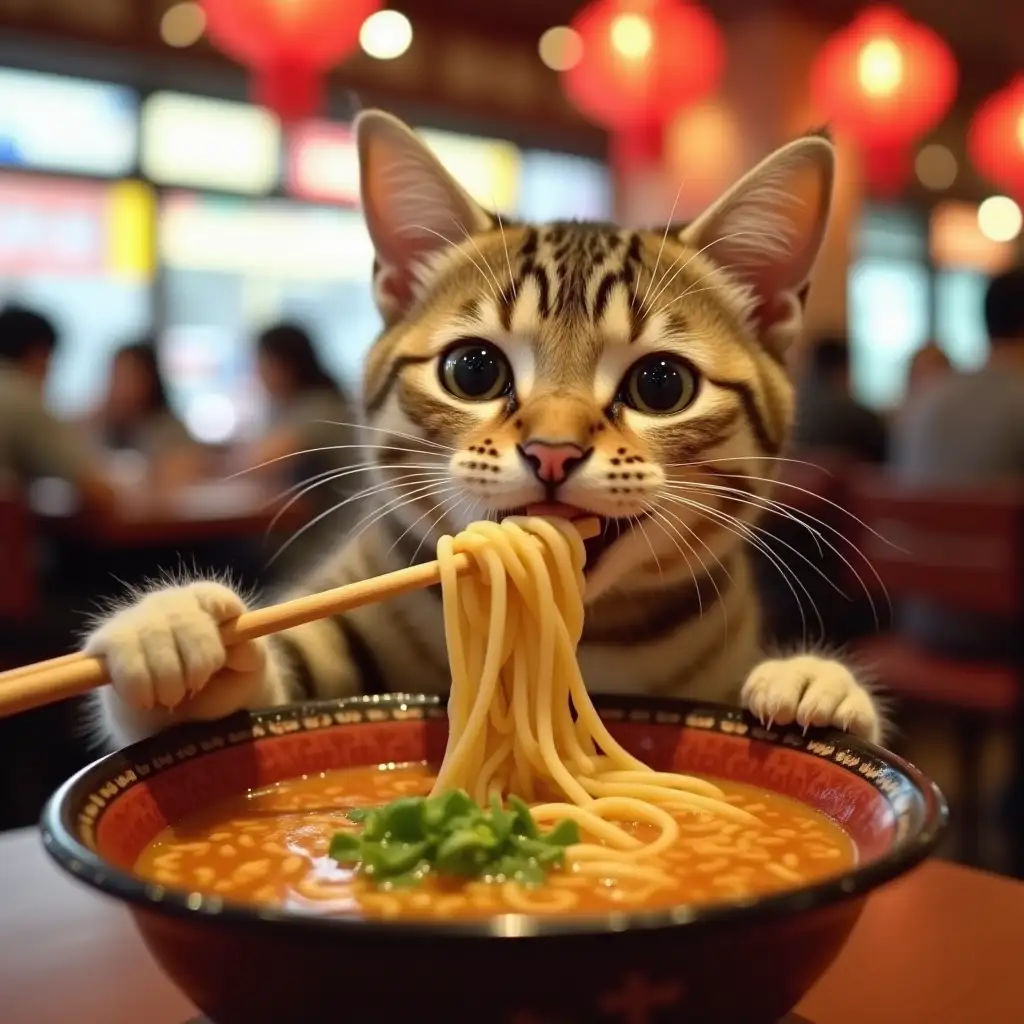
(590, 279)
(572, 270)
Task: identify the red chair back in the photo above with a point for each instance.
(962, 548)
(19, 595)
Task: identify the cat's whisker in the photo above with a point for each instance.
(397, 503)
(795, 515)
(801, 514)
(770, 504)
(329, 475)
(468, 255)
(820, 497)
(341, 504)
(760, 530)
(657, 560)
(444, 512)
(743, 458)
(664, 239)
(697, 537)
(663, 514)
(715, 241)
(675, 537)
(413, 525)
(393, 431)
(483, 259)
(741, 530)
(326, 448)
(692, 289)
(432, 473)
(504, 244)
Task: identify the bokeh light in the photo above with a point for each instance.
(936, 167)
(386, 35)
(632, 36)
(560, 48)
(183, 25)
(1000, 219)
(880, 67)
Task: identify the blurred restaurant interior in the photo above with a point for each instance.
(147, 198)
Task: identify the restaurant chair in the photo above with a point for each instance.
(962, 550)
(19, 592)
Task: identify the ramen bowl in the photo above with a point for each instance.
(744, 962)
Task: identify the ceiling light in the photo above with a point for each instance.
(386, 35)
(1000, 219)
(561, 48)
(182, 25)
(632, 36)
(936, 167)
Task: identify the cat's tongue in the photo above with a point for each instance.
(555, 508)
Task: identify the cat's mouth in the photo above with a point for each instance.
(611, 528)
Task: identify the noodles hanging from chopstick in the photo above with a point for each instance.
(512, 629)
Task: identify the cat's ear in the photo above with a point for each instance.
(414, 209)
(766, 231)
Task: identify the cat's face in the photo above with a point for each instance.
(632, 375)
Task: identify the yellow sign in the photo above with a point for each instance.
(131, 233)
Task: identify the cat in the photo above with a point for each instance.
(636, 375)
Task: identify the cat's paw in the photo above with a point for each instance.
(167, 662)
(809, 690)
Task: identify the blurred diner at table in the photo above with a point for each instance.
(965, 430)
(34, 444)
(829, 417)
(135, 430)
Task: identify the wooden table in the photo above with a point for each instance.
(943, 946)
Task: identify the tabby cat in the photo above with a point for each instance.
(637, 375)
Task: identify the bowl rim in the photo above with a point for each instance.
(72, 855)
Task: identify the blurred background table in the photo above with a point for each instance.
(942, 946)
(62, 569)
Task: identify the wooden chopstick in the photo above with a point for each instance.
(46, 682)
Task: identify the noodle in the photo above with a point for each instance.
(512, 628)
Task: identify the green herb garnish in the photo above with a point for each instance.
(404, 841)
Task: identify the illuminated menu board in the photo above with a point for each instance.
(322, 163)
(275, 237)
(560, 186)
(488, 169)
(196, 142)
(65, 228)
(70, 125)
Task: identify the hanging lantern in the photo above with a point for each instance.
(885, 80)
(287, 44)
(642, 61)
(995, 139)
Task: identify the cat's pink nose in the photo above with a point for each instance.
(552, 463)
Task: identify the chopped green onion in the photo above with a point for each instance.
(404, 841)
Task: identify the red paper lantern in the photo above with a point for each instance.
(642, 61)
(287, 44)
(995, 139)
(887, 81)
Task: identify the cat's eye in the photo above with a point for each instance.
(476, 371)
(659, 385)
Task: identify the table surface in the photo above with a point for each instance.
(201, 511)
(943, 946)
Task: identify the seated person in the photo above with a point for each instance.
(33, 443)
(968, 429)
(828, 417)
(136, 416)
(309, 432)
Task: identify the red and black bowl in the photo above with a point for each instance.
(745, 962)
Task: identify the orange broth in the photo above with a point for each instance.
(269, 847)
